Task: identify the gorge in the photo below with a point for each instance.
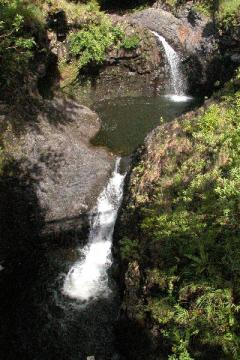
(119, 223)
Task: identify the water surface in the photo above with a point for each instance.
(127, 121)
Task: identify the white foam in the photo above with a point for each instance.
(179, 98)
(88, 278)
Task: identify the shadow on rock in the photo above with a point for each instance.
(21, 255)
(37, 321)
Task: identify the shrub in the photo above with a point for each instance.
(130, 42)
(129, 249)
(90, 44)
(16, 41)
(86, 11)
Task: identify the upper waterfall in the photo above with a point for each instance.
(178, 82)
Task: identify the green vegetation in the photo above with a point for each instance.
(204, 7)
(222, 10)
(130, 42)
(189, 232)
(90, 44)
(171, 3)
(228, 7)
(187, 197)
(86, 11)
(19, 22)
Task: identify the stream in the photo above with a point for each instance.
(73, 300)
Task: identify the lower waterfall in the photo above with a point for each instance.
(88, 278)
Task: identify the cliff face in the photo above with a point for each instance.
(144, 69)
(195, 37)
(127, 72)
(124, 72)
(178, 231)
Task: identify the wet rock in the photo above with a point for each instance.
(127, 72)
(190, 34)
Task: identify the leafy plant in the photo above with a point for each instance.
(189, 232)
(16, 42)
(129, 249)
(90, 45)
(130, 42)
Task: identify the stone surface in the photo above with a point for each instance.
(68, 172)
(182, 33)
(140, 71)
(192, 36)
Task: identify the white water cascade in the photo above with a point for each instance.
(88, 278)
(178, 81)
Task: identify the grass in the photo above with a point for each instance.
(228, 6)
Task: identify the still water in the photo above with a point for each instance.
(127, 121)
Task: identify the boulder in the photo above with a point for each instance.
(68, 173)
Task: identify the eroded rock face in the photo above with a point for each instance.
(125, 72)
(68, 173)
(136, 71)
(192, 35)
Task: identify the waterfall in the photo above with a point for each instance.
(88, 278)
(178, 82)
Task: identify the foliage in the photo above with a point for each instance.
(130, 42)
(16, 39)
(228, 7)
(190, 232)
(74, 11)
(91, 44)
(203, 8)
(129, 249)
(229, 15)
(222, 10)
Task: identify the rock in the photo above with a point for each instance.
(90, 357)
(68, 173)
(140, 71)
(160, 21)
(191, 35)
(236, 58)
(57, 21)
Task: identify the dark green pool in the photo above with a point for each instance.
(127, 121)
